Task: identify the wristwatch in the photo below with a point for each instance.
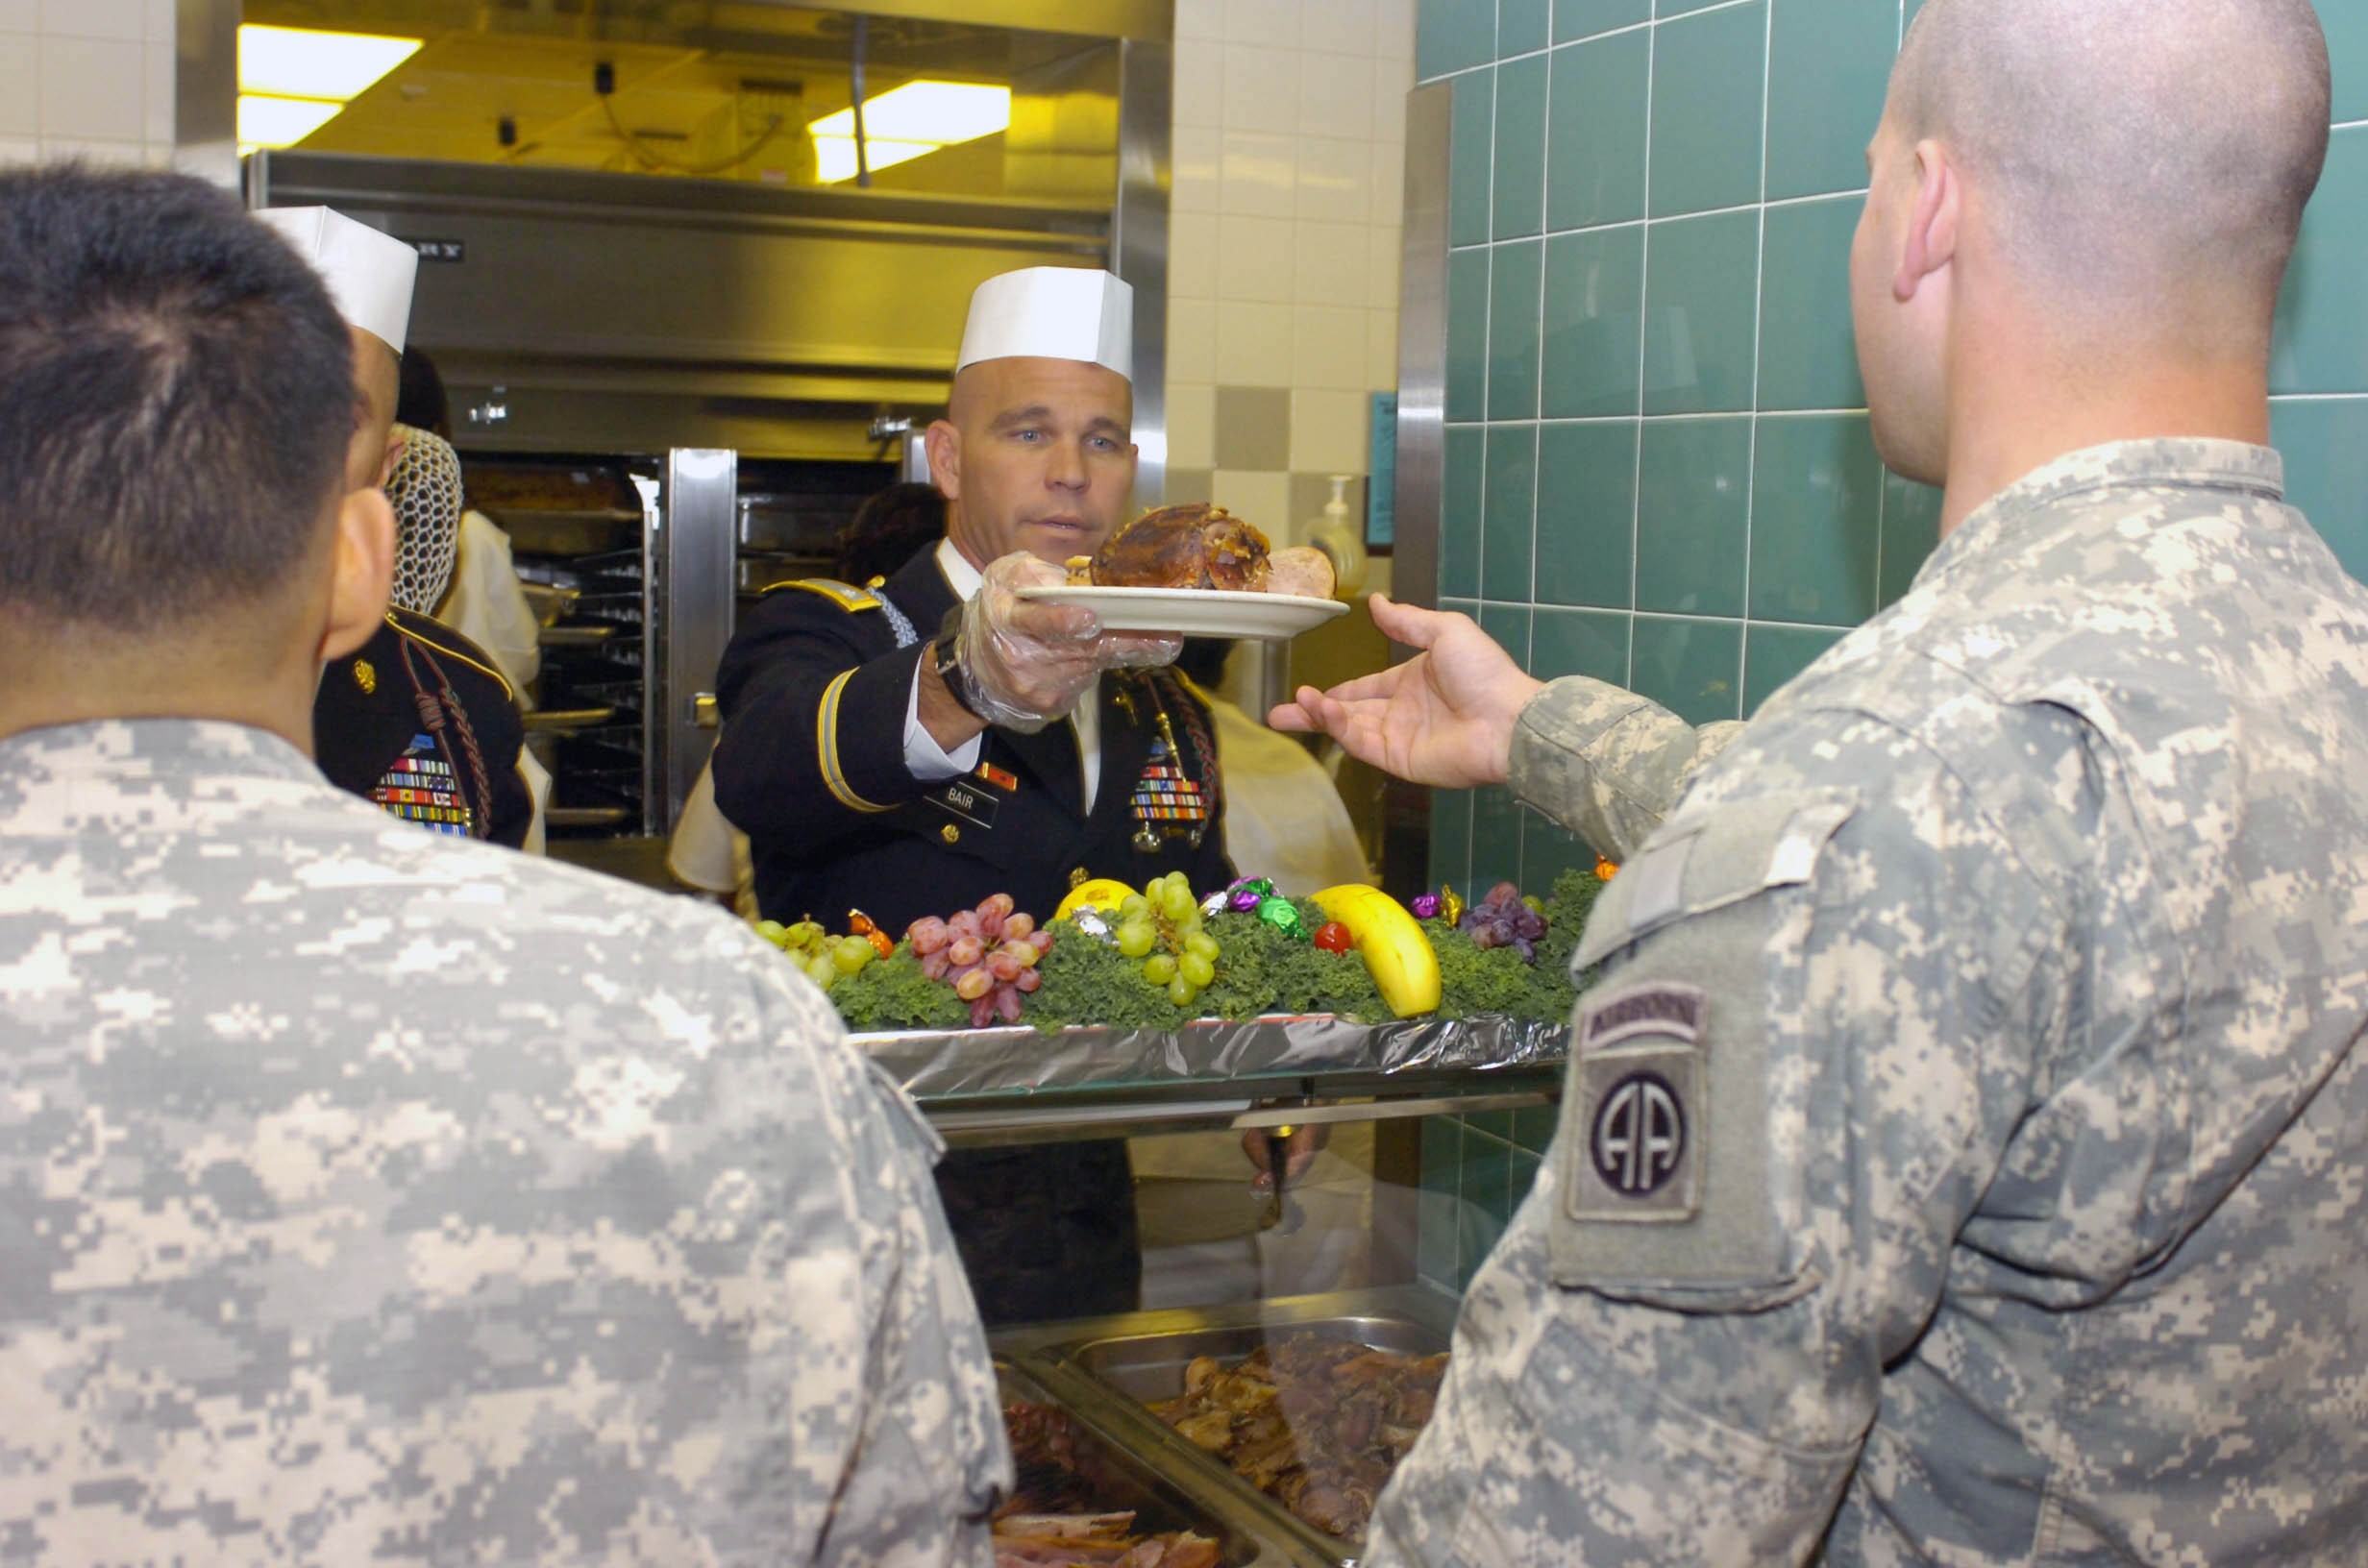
(945, 661)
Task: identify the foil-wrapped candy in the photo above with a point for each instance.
(1213, 906)
(1450, 906)
(1284, 916)
(1094, 923)
(1424, 906)
(1247, 894)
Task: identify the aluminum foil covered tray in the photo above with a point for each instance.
(1021, 1060)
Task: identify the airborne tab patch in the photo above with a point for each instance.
(1642, 1113)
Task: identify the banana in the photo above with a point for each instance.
(1404, 966)
(1100, 893)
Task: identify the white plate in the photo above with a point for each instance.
(1196, 612)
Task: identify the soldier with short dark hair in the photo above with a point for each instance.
(1964, 1158)
(370, 1195)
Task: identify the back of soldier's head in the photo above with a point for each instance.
(176, 393)
(2131, 155)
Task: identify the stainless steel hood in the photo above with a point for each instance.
(596, 312)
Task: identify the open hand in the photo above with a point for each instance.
(1444, 717)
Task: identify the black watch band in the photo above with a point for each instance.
(944, 658)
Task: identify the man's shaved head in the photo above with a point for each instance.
(2129, 152)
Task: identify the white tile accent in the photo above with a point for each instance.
(101, 151)
(1381, 264)
(1197, 166)
(90, 87)
(20, 85)
(1328, 265)
(157, 98)
(158, 24)
(1262, 89)
(1191, 426)
(1341, 27)
(1192, 256)
(1263, 498)
(126, 20)
(1381, 350)
(1336, 178)
(19, 17)
(1192, 340)
(1253, 344)
(1393, 29)
(1199, 18)
(1253, 259)
(1388, 199)
(1392, 80)
(1328, 431)
(1200, 82)
(1336, 96)
(1260, 175)
(1271, 24)
(1327, 347)
(19, 150)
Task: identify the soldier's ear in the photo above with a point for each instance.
(944, 444)
(363, 571)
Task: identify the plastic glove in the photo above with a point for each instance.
(1029, 661)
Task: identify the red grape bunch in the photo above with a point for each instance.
(1504, 919)
(987, 954)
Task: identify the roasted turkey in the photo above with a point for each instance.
(1201, 545)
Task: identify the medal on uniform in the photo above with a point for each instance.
(1166, 793)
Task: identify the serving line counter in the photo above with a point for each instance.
(1349, 1370)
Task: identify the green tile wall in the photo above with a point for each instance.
(1660, 471)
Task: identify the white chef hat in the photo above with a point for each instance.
(1052, 313)
(369, 274)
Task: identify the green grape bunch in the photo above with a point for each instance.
(1161, 926)
(824, 957)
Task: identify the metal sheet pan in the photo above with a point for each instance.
(1111, 1365)
(1121, 1479)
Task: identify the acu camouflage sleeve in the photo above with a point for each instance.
(893, 1418)
(1838, 992)
(1607, 764)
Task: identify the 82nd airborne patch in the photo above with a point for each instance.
(1642, 1113)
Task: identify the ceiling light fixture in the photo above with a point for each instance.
(292, 80)
(908, 122)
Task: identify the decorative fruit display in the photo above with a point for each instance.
(988, 955)
(1162, 927)
(1405, 968)
(1504, 919)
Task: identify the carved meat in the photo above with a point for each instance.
(1303, 569)
(1316, 1423)
(1050, 1520)
(1198, 546)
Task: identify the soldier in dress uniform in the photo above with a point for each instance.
(418, 721)
(911, 747)
(1966, 1153)
(368, 1196)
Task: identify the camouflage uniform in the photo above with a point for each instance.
(1608, 764)
(368, 1196)
(1965, 1158)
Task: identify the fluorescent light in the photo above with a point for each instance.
(280, 122)
(903, 124)
(834, 156)
(302, 62)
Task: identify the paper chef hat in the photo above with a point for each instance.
(369, 274)
(1052, 313)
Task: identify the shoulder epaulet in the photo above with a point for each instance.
(846, 596)
(437, 637)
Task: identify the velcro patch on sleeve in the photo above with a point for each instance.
(1642, 1109)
